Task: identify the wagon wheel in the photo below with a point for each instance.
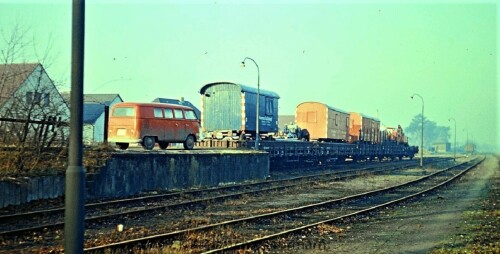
(122, 146)
(189, 142)
(163, 144)
(148, 142)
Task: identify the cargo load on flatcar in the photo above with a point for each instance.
(324, 123)
(391, 134)
(228, 110)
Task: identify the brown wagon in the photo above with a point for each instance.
(364, 128)
(323, 122)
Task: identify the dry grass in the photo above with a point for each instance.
(482, 230)
(54, 161)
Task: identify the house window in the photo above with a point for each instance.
(29, 97)
(37, 99)
(46, 99)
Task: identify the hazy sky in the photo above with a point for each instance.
(361, 56)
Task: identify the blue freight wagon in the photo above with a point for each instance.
(228, 110)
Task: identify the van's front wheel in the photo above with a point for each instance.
(189, 142)
(148, 142)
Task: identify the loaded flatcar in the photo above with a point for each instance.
(363, 128)
(324, 123)
(228, 110)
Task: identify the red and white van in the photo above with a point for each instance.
(151, 123)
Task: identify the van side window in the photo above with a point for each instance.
(178, 114)
(158, 113)
(168, 113)
(190, 115)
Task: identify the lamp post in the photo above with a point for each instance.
(74, 213)
(257, 137)
(422, 137)
(455, 145)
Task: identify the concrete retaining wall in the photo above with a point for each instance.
(131, 173)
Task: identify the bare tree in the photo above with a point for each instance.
(31, 108)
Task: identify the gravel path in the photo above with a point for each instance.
(416, 227)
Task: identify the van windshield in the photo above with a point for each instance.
(126, 111)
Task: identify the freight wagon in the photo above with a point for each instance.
(364, 129)
(324, 123)
(228, 110)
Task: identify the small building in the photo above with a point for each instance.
(27, 93)
(442, 147)
(324, 123)
(94, 107)
(230, 109)
(469, 148)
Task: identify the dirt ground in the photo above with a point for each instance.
(436, 223)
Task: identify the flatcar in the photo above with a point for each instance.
(228, 110)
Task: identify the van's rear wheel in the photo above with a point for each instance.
(163, 144)
(189, 142)
(148, 142)
(122, 146)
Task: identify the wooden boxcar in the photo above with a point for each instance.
(229, 110)
(323, 122)
(364, 128)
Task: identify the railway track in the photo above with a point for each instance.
(248, 231)
(216, 197)
(43, 220)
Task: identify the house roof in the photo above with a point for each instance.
(12, 76)
(92, 111)
(100, 98)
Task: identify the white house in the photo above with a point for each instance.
(28, 94)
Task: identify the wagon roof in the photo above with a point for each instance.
(332, 108)
(244, 88)
(367, 116)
